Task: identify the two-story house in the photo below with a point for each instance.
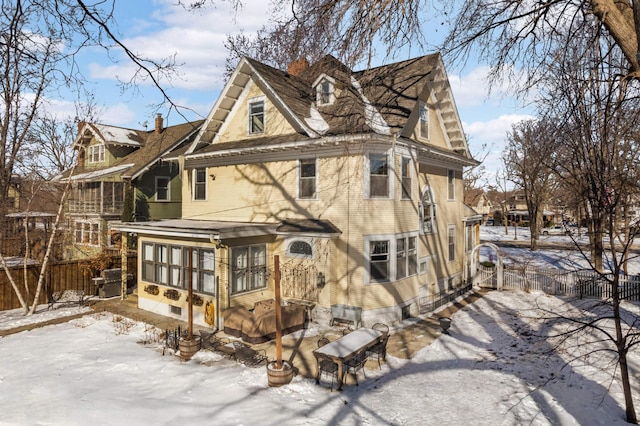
(114, 161)
(352, 178)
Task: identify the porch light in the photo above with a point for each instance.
(321, 280)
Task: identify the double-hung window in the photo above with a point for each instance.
(162, 188)
(379, 257)
(200, 184)
(96, 153)
(248, 268)
(451, 236)
(307, 178)
(406, 178)
(256, 117)
(406, 257)
(378, 175)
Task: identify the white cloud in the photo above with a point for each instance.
(196, 38)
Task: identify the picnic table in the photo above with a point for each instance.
(345, 348)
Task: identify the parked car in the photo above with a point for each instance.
(556, 230)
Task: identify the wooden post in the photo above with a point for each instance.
(276, 266)
(190, 309)
(124, 263)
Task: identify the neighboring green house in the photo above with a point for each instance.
(353, 179)
(114, 161)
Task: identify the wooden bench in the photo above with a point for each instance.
(66, 296)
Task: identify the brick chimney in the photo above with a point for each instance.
(297, 66)
(158, 123)
(81, 156)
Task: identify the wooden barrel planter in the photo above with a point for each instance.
(188, 347)
(279, 376)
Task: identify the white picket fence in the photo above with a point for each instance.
(571, 283)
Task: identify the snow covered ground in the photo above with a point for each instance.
(547, 258)
(499, 366)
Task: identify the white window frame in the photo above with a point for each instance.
(451, 184)
(313, 178)
(91, 153)
(423, 120)
(256, 272)
(451, 243)
(88, 233)
(194, 191)
(392, 256)
(408, 253)
(168, 188)
(406, 167)
(325, 97)
(428, 225)
(250, 115)
(369, 175)
(168, 265)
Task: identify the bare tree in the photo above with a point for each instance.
(527, 156)
(596, 110)
(39, 40)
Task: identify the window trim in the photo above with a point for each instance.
(405, 165)
(328, 97)
(168, 188)
(194, 190)
(250, 115)
(100, 154)
(250, 268)
(290, 241)
(170, 264)
(93, 236)
(451, 184)
(369, 175)
(423, 120)
(451, 243)
(410, 254)
(300, 178)
(428, 190)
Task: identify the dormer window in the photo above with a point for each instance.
(325, 90)
(96, 153)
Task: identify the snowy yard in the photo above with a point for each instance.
(497, 367)
(493, 369)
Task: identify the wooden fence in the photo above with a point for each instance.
(65, 275)
(571, 283)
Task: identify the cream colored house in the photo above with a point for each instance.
(352, 179)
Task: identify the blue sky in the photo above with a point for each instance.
(159, 28)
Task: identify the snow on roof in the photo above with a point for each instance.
(372, 115)
(118, 135)
(316, 122)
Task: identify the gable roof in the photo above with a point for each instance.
(378, 100)
(108, 135)
(152, 147)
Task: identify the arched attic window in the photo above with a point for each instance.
(427, 211)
